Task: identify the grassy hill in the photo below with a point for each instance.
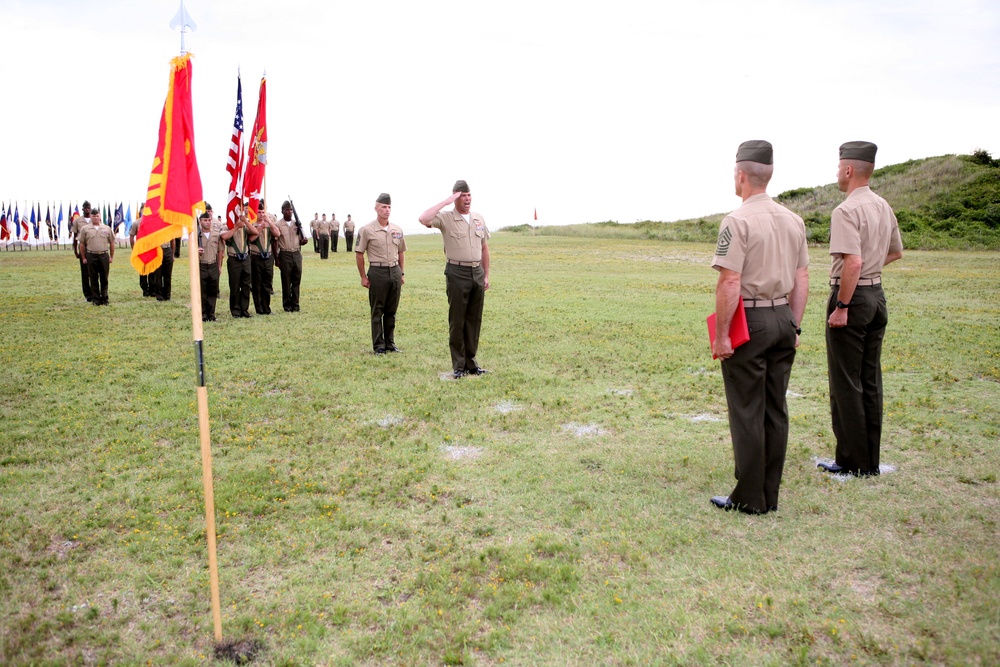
(942, 203)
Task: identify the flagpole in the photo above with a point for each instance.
(184, 21)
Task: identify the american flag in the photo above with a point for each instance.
(4, 232)
(235, 164)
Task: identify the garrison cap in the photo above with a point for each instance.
(208, 207)
(86, 203)
(460, 186)
(286, 204)
(384, 198)
(755, 150)
(858, 150)
(205, 215)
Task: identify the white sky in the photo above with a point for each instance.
(624, 110)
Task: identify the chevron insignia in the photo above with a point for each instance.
(722, 248)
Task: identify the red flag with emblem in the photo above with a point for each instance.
(253, 180)
(174, 193)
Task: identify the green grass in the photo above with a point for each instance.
(552, 512)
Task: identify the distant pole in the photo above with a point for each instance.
(183, 21)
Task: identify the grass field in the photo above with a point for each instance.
(553, 512)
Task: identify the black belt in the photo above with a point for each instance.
(91, 252)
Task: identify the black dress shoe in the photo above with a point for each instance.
(724, 503)
(835, 469)
(392, 348)
(458, 374)
(479, 371)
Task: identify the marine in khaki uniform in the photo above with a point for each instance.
(864, 237)
(383, 242)
(238, 265)
(334, 231)
(323, 229)
(162, 278)
(467, 274)
(97, 249)
(761, 256)
(349, 232)
(315, 232)
(210, 253)
(75, 227)
(290, 243)
(133, 231)
(262, 260)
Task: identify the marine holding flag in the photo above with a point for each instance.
(174, 192)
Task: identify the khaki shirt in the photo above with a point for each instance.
(98, 239)
(322, 227)
(383, 244)
(463, 241)
(133, 230)
(211, 243)
(334, 227)
(864, 225)
(349, 226)
(77, 225)
(289, 239)
(264, 237)
(239, 243)
(765, 243)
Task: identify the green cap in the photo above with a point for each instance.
(460, 186)
(858, 150)
(384, 198)
(755, 150)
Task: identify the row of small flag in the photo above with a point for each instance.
(28, 227)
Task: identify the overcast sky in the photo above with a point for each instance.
(585, 111)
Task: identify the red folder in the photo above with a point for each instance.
(739, 333)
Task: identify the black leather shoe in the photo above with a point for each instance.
(724, 503)
(379, 352)
(835, 469)
(392, 348)
(479, 371)
(458, 374)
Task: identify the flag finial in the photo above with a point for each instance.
(183, 21)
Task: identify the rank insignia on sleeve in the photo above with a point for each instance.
(722, 247)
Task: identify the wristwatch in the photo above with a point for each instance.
(842, 305)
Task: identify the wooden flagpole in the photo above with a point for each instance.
(183, 21)
(206, 442)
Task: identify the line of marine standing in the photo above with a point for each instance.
(761, 258)
(762, 262)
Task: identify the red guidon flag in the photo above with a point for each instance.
(174, 193)
(253, 179)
